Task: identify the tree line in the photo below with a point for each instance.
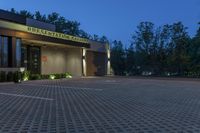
(167, 50)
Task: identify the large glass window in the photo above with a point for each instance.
(18, 52)
(6, 52)
(3, 51)
(24, 60)
(0, 50)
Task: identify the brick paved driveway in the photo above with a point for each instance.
(101, 105)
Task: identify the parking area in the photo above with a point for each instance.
(101, 105)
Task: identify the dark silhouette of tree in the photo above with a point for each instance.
(130, 61)
(195, 54)
(13, 10)
(26, 13)
(162, 40)
(38, 16)
(95, 37)
(84, 34)
(104, 39)
(178, 54)
(143, 40)
(161, 50)
(118, 58)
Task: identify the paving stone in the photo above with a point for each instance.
(94, 105)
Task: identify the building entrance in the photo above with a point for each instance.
(31, 59)
(34, 59)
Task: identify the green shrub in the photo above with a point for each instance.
(35, 77)
(55, 76)
(44, 76)
(68, 75)
(3, 77)
(17, 77)
(58, 76)
(62, 75)
(10, 76)
(52, 76)
(26, 75)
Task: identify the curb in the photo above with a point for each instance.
(6, 83)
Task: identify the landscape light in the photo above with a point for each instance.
(52, 77)
(25, 78)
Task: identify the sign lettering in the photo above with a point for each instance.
(42, 32)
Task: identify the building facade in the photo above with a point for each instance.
(35, 46)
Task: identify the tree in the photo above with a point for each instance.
(103, 39)
(130, 61)
(26, 13)
(118, 58)
(84, 34)
(13, 10)
(163, 49)
(143, 40)
(162, 40)
(73, 28)
(195, 53)
(198, 31)
(52, 18)
(61, 25)
(179, 57)
(95, 37)
(38, 16)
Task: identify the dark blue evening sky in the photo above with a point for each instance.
(117, 19)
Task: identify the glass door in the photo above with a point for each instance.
(24, 56)
(34, 60)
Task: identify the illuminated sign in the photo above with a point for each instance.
(33, 30)
(55, 34)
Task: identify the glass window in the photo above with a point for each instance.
(24, 62)
(18, 52)
(4, 52)
(0, 50)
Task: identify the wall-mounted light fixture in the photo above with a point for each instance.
(84, 61)
(108, 58)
